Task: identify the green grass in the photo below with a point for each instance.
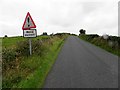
(102, 44)
(36, 79)
(12, 41)
(31, 71)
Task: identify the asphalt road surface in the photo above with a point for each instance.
(83, 65)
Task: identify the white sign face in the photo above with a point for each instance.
(30, 33)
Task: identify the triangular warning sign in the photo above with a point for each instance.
(28, 23)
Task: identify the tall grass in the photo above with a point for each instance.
(112, 46)
(23, 71)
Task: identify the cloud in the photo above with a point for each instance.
(101, 20)
(55, 16)
(63, 14)
(10, 30)
(91, 6)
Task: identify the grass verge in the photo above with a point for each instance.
(36, 79)
(30, 71)
(102, 43)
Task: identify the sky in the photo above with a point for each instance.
(57, 16)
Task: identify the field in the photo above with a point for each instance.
(20, 70)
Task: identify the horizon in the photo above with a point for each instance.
(60, 32)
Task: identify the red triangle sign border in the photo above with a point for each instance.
(34, 26)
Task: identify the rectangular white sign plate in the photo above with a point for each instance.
(30, 33)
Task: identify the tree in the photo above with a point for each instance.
(5, 36)
(44, 33)
(82, 31)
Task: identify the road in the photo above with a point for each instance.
(83, 65)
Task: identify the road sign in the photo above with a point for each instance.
(28, 23)
(30, 33)
(28, 30)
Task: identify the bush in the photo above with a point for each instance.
(92, 36)
(44, 33)
(38, 47)
(23, 48)
(112, 44)
(8, 56)
(5, 36)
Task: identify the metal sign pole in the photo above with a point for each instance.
(30, 46)
(29, 38)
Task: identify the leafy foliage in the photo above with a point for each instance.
(5, 36)
(82, 31)
(18, 66)
(112, 44)
(44, 33)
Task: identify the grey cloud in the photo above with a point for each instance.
(89, 7)
(10, 30)
(59, 16)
